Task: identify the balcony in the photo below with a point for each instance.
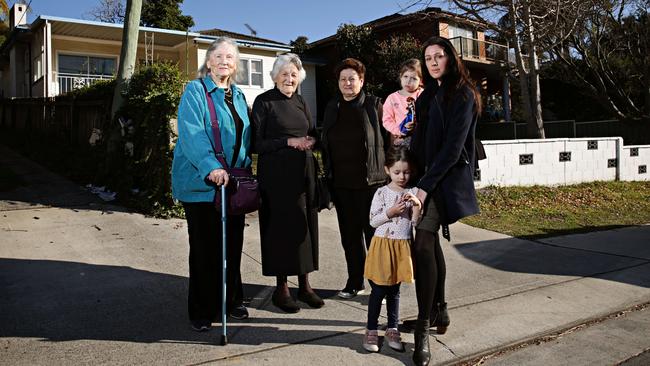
(471, 49)
(69, 82)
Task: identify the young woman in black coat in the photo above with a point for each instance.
(443, 142)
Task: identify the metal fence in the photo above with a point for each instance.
(69, 82)
(67, 121)
(633, 132)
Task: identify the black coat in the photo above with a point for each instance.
(288, 219)
(377, 138)
(444, 145)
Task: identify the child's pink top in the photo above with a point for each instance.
(395, 111)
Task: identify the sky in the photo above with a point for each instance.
(278, 20)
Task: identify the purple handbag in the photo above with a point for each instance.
(242, 191)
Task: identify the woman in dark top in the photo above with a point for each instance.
(443, 142)
(288, 219)
(353, 142)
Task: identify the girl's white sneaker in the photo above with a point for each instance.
(394, 339)
(371, 341)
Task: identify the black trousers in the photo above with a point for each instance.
(379, 292)
(429, 263)
(353, 214)
(204, 229)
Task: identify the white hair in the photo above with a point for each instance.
(286, 59)
(204, 70)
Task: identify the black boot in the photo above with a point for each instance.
(440, 318)
(421, 353)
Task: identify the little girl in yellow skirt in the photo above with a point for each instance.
(393, 212)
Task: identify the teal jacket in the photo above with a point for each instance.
(194, 156)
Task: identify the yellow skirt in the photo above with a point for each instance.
(389, 261)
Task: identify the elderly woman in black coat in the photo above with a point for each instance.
(284, 138)
(443, 141)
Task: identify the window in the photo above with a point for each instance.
(463, 41)
(38, 66)
(77, 71)
(87, 65)
(251, 73)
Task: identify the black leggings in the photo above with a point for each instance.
(430, 272)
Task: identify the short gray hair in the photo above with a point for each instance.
(204, 70)
(286, 59)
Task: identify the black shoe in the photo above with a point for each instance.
(239, 312)
(348, 293)
(311, 299)
(421, 353)
(285, 303)
(201, 325)
(440, 319)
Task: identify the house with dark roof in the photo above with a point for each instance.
(54, 55)
(486, 60)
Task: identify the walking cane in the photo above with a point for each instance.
(224, 336)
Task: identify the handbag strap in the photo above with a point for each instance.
(216, 132)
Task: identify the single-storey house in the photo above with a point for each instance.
(54, 55)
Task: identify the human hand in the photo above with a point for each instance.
(398, 208)
(410, 197)
(301, 143)
(397, 140)
(218, 177)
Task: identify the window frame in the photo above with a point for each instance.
(249, 76)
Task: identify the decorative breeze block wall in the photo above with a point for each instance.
(561, 161)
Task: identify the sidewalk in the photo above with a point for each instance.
(87, 283)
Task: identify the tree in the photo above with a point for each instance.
(299, 45)
(128, 52)
(391, 53)
(609, 55)
(109, 11)
(165, 14)
(4, 20)
(526, 25)
(381, 58)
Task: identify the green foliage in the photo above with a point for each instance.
(102, 89)
(151, 101)
(299, 45)
(381, 57)
(357, 42)
(391, 53)
(165, 14)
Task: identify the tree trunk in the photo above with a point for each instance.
(535, 122)
(128, 53)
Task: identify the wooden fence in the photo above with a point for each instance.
(67, 121)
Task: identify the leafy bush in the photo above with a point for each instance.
(151, 101)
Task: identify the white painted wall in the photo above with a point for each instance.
(308, 90)
(632, 166)
(502, 166)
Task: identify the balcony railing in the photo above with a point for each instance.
(69, 82)
(477, 50)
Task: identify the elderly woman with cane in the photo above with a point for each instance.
(197, 174)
